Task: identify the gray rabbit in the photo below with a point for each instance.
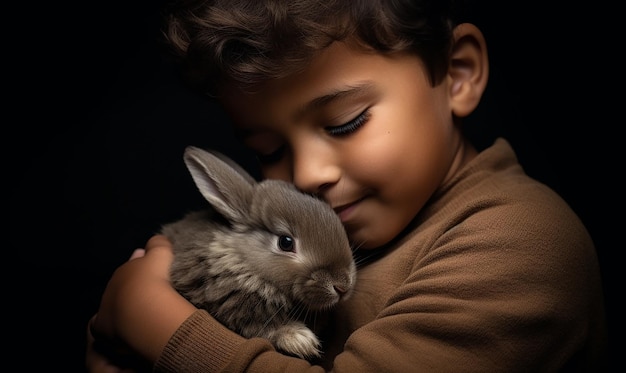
(261, 256)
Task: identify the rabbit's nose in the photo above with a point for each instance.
(340, 289)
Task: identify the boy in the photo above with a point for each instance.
(465, 263)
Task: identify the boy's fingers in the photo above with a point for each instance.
(138, 253)
(158, 241)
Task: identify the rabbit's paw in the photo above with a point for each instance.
(298, 340)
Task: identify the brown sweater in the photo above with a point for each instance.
(496, 274)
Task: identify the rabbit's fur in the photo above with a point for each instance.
(262, 255)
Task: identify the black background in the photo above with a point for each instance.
(97, 121)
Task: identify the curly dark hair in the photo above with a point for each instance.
(245, 42)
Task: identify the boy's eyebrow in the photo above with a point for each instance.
(351, 91)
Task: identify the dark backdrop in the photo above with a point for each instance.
(98, 121)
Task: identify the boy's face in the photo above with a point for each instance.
(365, 132)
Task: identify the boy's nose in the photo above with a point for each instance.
(315, 169)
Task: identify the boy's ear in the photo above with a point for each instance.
(469, 69)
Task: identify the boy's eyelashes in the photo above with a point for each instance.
(351, 126)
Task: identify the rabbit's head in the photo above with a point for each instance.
(291, 239)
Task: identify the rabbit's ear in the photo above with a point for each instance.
(234, 165)
(226, 185)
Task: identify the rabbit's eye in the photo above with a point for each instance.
(286, 243)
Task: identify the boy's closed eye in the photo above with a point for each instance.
(351, 126)
(271, 158)
(267, 146)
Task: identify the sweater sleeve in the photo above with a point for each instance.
(204, 345)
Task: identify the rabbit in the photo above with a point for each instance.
(262, 254)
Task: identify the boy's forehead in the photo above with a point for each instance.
(340, 73)
(248, 108)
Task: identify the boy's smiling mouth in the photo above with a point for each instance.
(344, 211)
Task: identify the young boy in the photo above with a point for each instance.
(465, 262)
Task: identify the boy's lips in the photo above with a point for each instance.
(344, 211)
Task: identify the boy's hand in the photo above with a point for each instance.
(139, 310)
(97, 360)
